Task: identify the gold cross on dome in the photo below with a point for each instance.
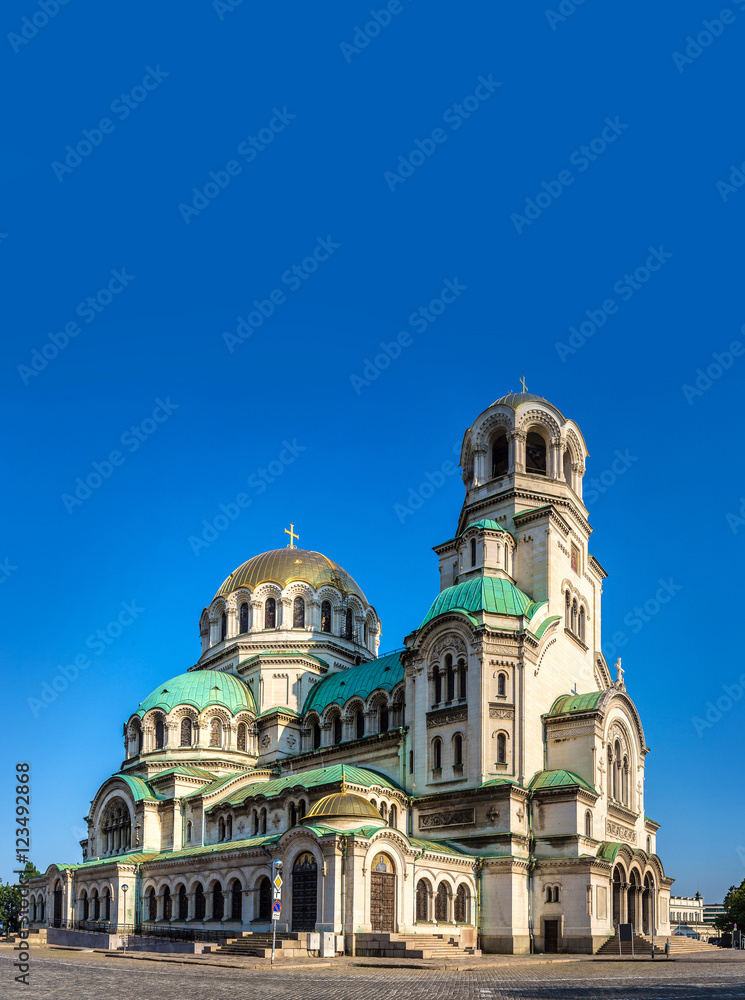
(293, 536)
(522, 383)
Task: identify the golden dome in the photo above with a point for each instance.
(282, 566)
(343, 805)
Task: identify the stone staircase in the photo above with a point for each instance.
(404, 946)
(679, 945)
(259, 945)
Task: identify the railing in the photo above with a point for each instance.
(161, 932)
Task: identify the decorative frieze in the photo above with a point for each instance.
(501, 712)
(453, 817)
(620, 832)
(444, 718)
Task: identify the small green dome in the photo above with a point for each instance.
(492, 594)
(200, 689)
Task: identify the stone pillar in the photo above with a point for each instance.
(519, 438)
(480, 472)
(191, 904)
(226, 905)
(159, 912)
(148, 738)
(555, 470)
(233, 622)
(284, 607)
(624, 903)
(255, 622)
(208, 904)
(313, 614)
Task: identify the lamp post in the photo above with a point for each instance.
(125, 887)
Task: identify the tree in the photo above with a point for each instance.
(734, 909)
(11, 899)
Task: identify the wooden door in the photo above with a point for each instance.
(551, 935)
(57, 907)
(304, 893)
(383, 902)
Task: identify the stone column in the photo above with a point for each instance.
(480, 472)
(233, 622)
(555, 470)
(159, 912)
(208, 904)
(624, 903)
(284, 607)
(518, 438)
(246, 907)
(255, 622)
(226, 905)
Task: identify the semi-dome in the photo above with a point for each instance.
(200, 689)
(344, 806)
(282, 566)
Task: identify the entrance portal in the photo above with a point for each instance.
(383, 894)
(551, 936)
(304, 893)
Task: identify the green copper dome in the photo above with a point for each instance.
(492, 594)
(338, 687)
(200, 689)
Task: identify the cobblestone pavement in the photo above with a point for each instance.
(84, 976)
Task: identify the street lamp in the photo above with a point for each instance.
(124, 891)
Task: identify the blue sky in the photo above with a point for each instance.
(214, 215)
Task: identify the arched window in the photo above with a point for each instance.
(463, 679)
(188, 832)
(365, 633)
(437, 686)
(442, 901)
(582, 624)
(359, 724)
(501, 748)
(140, 737)
(241, 736)
(263, 822)
(349, 624)
(186, 732)
(462, 905)
(183, 903)
(301, 809)
(625, 780)
(422, 899)
(223, 626)
(236, 901)
(217, 901)
(500, 456)
(337, 729)
(535, 454)
(436, 753)
(160, 734)
(316, 730)
(167, 904)
(548, 894)
(588, 824)
(229, 828)
(502, 685)
(450, 678)
(617, 790)
(611, 775)
(270, 613)
(298, 613)
(85, 905)
(393, 817)
(265, 899)
(567, 463)
(458, 750)
(473, 551)
(326, 616)
(293, 815)
(567, 610)
(215, 733)
(243, 619)
(383, 812)
(574, 617)
(255, 823)
(152, 905)
(383, 719)
(556, 894)
(649, 845)
(221, 829)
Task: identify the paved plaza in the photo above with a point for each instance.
(67, 975)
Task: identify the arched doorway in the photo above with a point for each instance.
(383, 894)
(304, 892)
(58, 905)
(617, 882)
(648, 914)
(265, 899)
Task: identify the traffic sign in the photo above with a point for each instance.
(276, 909)
(277, 881)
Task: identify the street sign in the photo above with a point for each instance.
(277, 894)
(276, 909)
(277, 881)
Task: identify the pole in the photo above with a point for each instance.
(652, 894)
(274, 938)
(124, 893)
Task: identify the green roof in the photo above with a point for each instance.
(501, 781)
(140, 789)
(485, 523)
(359, 681)
(200, 688)
(218, 783)
(544, 625)
(307, 779)
(557, 779)
(648, 819)
(194, 772)
(565, 704)
(279, 708)
(531, 510)
(492, 594)
(139, 857)
(441, 846)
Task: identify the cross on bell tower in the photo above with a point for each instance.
(293, 536)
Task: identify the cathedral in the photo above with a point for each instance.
(484, 781)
